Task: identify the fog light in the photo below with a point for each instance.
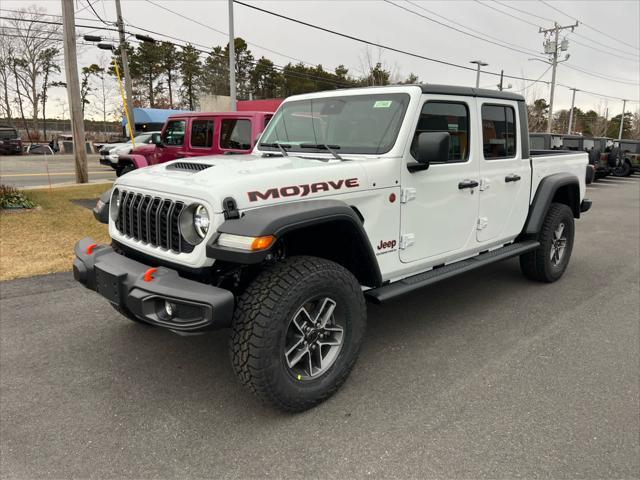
(169, 308)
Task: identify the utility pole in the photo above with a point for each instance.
(232, 59)
(479, 63)
(573, 102)
(125, 65)
(624, 104)
(73, 90)
(501, 77)
(551, 48)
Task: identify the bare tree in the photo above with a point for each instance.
(6, 72)
(31, 59)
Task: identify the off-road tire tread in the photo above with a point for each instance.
(533, 263)
(252, 318)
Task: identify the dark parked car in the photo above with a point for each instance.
(10, 142)
(545, 141)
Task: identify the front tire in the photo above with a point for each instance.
(124, 170)
(297, 331)
(548, 262)
(623, 170)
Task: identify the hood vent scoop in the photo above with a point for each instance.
(188, 166)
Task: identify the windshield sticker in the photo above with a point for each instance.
(382, 104)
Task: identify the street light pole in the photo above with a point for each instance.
(624, 104)
(125, 64)
(479, 63)
(573, 102)
(232, 59)
(73, 91)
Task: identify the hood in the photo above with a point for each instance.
(142, 148)
(251, 180)
(110, 146)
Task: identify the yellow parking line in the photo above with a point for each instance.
(45, 174)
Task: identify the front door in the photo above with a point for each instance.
(505, 177)
(173, 138)
(440, 205)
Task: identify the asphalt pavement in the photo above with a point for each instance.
(32, 171)
(487, 375)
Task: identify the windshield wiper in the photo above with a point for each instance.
(330, 148)
(279, 145)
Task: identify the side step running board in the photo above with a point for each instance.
(409, 284)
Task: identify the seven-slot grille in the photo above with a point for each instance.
(152, 220)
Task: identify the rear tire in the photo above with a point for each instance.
(297, 331)
(548, 262)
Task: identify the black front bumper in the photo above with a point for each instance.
(585, 205)
(106, 161)
(132, 285)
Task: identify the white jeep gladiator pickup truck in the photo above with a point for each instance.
(349, 195)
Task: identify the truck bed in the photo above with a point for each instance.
(548, 162)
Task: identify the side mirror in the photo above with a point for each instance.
(156, 139)
(432, 147)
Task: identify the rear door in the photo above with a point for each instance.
(201, 135)
(505, 176)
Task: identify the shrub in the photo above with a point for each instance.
(10, 198)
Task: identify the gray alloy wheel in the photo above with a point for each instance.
(313, 339)
(558, 245)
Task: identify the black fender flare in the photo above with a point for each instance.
(278, 220)
(544, 196)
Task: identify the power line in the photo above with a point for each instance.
(225, 33)
(330, 81)
(606, 52)
(538, 80)
(546, 19)
(526, 52)
(301, 75)
(589, 26)
(520, 19)
(374, 44)
(469, 28)
(96, 13)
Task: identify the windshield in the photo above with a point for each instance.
(142, 138)
(366, 124)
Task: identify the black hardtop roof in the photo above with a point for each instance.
(469, 92)
(544, 134)
(628, 140)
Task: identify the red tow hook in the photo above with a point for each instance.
(148, 275)
(91, 247)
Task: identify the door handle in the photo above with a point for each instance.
(512, 178)
(467, 184)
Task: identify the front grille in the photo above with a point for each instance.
(152, 220)
(191, 167)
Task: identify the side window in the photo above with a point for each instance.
(174, 133)
(235, 134)
(202, 133)
(498, 131)
(445, 117)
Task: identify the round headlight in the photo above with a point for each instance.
(201, 220)
(114, 204)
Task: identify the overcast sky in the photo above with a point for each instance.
(616, 59)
